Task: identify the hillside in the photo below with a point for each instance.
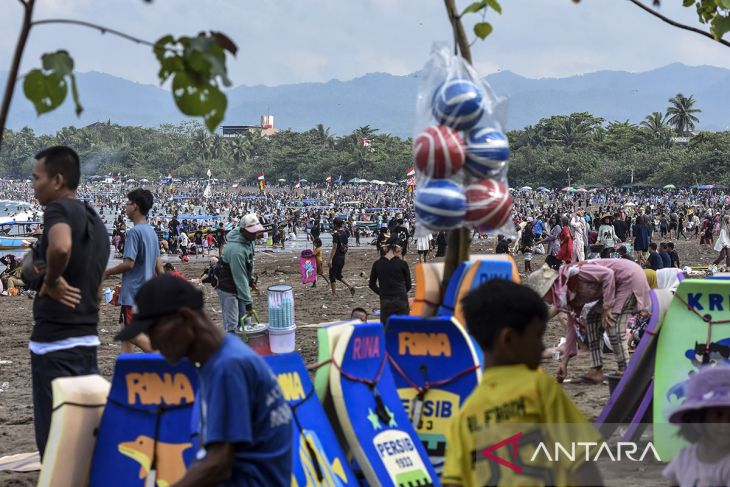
(386, 102)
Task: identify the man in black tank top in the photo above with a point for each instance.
(67, 270)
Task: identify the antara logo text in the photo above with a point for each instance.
(572, 451)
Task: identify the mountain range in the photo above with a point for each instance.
(387, 102)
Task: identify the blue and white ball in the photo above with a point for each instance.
(458, 103)
(487, 151)
(441, 205)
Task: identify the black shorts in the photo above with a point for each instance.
(336, 269)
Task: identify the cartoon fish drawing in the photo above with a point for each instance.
(170, 463)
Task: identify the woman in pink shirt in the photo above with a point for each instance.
(619, 288)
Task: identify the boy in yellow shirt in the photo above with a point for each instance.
(318, 259)
(505, 432)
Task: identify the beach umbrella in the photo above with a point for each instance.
(568, 189)
(582, 190)
(363, 181)
(281, 180)
(354, 180)
(525, 188)
(670, 186)
(144, 180)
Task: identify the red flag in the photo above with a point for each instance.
(411, 171)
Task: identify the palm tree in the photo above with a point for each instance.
(655, 123)
(679, 113)
(572, 132)
(202, 144)
(240, 148)
(324, 136)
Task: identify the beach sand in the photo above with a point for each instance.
(312, 305)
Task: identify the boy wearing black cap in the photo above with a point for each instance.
(245, 429)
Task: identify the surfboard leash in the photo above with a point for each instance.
(380, 410)
(308, 444)
(427, 385)
(707, 318)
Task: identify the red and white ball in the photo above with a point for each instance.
(439, 152)
(488, 204)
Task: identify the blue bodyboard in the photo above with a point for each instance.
(436, 357)
(377, 429)
(318, 457)
(147, 419)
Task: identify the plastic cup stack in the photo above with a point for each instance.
(281, 306)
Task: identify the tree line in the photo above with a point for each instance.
(580, 146)
(187, 150)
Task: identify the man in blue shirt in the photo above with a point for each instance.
(664, 254)
(245, 425)
(538, 227)
(655, 260)
(140, 262)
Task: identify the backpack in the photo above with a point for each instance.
(223, 277)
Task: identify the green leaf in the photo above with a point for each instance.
(46, 92)
(494, 5)
(216, 104)
(475, 7)
(197, 66)
(199, 99)
(162, 45)
(75, 95)
(58, 62)
(688, 3)
(720, 26)
(483, 29)
(725, 4)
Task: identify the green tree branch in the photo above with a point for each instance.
(679, 25)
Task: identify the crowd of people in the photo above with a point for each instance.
(600, 256)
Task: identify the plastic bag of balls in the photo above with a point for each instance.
(460, 151)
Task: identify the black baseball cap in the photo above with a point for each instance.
(159, 297)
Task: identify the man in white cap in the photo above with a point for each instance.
(238, 254)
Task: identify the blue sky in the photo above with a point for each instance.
(296, 41)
